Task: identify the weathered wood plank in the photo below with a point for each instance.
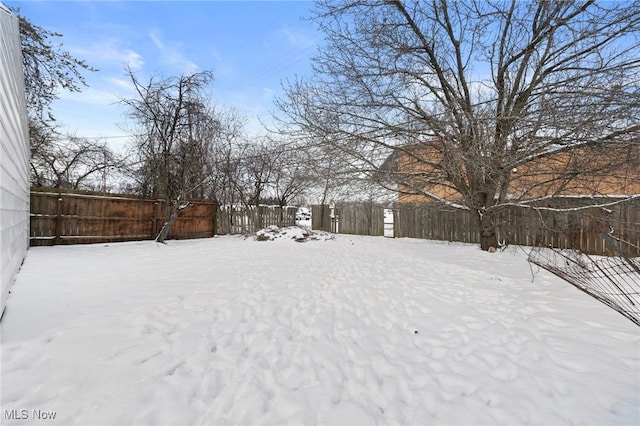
(67, 217)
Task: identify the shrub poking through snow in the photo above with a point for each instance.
(293, 233)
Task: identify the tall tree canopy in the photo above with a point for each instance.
(48, 68)
(468, 92)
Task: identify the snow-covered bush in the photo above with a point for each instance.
(291, 233)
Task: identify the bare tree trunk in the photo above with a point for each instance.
(325, 193)
(488, 236)
(166, 228)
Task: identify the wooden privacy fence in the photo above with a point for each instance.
(322, 218)
(72, 217)
(565, 224)
(249, 220)
(349, 218)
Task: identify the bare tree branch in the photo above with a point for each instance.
(464, 93)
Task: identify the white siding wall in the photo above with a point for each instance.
(14, 156)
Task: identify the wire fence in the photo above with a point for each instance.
(613, 280)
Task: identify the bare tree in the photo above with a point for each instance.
(258, 165)
(48, 68)
(290, 177)
(187, 148)
(175, 125)
(328, 174)
(72, 162)
(227, 156)
(466, 93)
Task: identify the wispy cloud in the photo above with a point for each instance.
(171, 53)
(109, 53)
(121, 83)
(92, 96)
(103, 90)
(134, 60)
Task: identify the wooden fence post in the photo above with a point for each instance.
(58, 220)
(154, 221)
(214, 219)
(396, 221)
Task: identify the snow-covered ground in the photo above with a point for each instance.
(356, 330)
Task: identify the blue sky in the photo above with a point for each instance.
(251, 46)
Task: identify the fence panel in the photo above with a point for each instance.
(321, 218)
(72, 217)
(425, 221)
(360, 219)
(196, 221)
(249, 220)
(275, 215)
(577, 228)
(568, 223)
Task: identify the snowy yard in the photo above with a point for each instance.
(356, 330)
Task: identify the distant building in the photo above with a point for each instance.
(604, 170)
